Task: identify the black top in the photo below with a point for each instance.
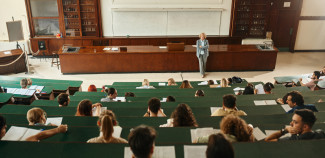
(306, 136)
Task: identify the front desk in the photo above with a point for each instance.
(94, 59)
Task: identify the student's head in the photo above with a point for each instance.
(248, 90)
(63, 99)
(224, 82)
(237, 127)
(92, 88)
(268, 87)
(106, 123)
(229, 81)
(316, 75)
(219, 146)
(229, 101)
(154, 105)
(202, 36)
(29, 81)
(111, 92)
(84, 108)
(142, 141)
(186, 84)
(3, 126)
(129, 94)
(183, 116)
(303, 120)
(24, 83)
(199, 93)
(323, 70)
(36, 115)
(145, 82)
(111, 114)
(295, 99)
(170, 99)
(171, 82)
(210, 82)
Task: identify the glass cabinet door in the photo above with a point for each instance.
(71, 18)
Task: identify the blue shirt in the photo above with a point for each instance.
(308, 106)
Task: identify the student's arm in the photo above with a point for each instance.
(161, 112)
(275, 136)
(98, 108)
(48, 133)
(300, 81)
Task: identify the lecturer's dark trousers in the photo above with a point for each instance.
(202, 63)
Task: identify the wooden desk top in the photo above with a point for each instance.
(156, 49)
(12, 52)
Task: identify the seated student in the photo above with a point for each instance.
(181, 117)
(224, 83)
(170, 99)
(111, 95)
(142, 141)
(85, 108)
(171, 82)
(322, 72)
(235, 130)
(105, 122)
(313, 82)
(63, 100)
(268, 87)
(37, 117)
(199, 93)
(154, 108)
(248, 90)
(228, 107)
(129, 94)
(300, 128)
(296, 101)
(282, 100)
(186, 84)
(103, 89)
(42, 135)
(24, 83)
(146, 84)
(211, 84)
(219, 146)
(92, 88)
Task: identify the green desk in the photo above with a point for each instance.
(5, 98)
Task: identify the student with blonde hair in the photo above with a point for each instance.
(186, 84)
(146, 85)
(106, 123)
(224, 83)
(171, 82)
(37, 117)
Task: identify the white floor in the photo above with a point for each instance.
(287, 64)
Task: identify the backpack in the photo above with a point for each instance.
(236, 79)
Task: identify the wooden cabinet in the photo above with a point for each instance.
(250, 18)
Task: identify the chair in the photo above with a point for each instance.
(55, 59)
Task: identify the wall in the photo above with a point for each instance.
(311, 33)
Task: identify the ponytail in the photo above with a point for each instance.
(106, 127)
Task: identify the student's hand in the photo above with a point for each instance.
(292, 130)
(62, 128)
(280, 100)
(97, 105)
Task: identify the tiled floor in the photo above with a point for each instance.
(287, 64)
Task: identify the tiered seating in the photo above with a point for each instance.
(129, 114)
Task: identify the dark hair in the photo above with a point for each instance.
(141, 140)
(219, 146)
(154, 105)
(183, 116)
(129, 94)
(63, 99)
(268, 87)
(199, 93)
(3, 122)
(110, 91)
(317, 74)
(230, 80)
(229, 101)
(285, 97)
(170, 99)
(248, 90)
(210, 82)
(297, 98)
(84, 108)
(307, 116)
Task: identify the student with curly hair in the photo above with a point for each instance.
(219, 146)
(181, 117)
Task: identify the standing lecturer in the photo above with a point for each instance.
(202, 52)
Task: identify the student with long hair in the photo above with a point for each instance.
(181, 117)
(85, 108)
(106, 123)
(219, 146)
(186, 84)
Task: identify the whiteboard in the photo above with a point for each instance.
(313, 8)
(193, 23)
(153, 23)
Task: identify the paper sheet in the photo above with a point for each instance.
(54, 120)
(29, 92)
(163, 100)
(286, 107)
(269, 132)
(117, 131)
(259, 102)
(194, 151)
(107, 48)
(7, 52)
(238, 89)
(39, 89)
(159, 152)
(19, 133)
(270, 102)
(162, 84)
(163, 47)
(21, 91)
(121, 99)
(260, 89)
(213, 109)
(114, 49)
(201, 132)
(11, 90)
(203, 83)
(30, 132)
(194, 46)
(102, 109)
(258, 134)
(32, 87)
